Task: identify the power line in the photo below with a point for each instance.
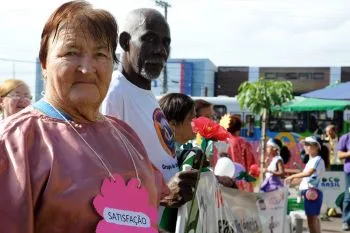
(15, 60)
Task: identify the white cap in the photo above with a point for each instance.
(311, 140)
(271, 142)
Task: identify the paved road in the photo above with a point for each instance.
(331, 226)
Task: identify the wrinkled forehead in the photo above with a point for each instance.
(80, 31)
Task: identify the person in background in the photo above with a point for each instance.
(331, 140)
(311, 177)
(279, 155)
(15, 96)
(336, 164)
(179, 111)
(204, 109)
(240, 151)
(62, 163)
(344, 154)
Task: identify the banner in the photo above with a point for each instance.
(332, 185)
(224, 210)
(272, 208)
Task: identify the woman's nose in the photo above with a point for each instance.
(86, 64)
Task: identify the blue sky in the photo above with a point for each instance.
(229, 32)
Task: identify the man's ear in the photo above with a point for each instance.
(172, 124)
(124, 40)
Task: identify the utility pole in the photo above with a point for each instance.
(164, 5)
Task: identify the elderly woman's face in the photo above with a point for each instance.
(78, 69)
(16, 100)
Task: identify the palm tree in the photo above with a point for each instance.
(259, 97)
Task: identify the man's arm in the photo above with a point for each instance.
(343, 152)
(181, 188)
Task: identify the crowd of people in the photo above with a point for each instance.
(97, 129)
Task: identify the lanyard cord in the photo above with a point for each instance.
(92, 149)
(128, 144)
(96, 154)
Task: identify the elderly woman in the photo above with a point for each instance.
(15, 96)
(63, 165)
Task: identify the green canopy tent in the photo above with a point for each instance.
(300, 104)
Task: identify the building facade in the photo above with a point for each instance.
(193, 77)
(304, 79)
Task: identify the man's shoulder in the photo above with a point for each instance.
(345, 137)
(118, 87)
(118, 81)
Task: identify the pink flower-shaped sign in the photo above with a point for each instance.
(124, 208)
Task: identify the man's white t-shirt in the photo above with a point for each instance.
(312, 181)
(140, 109)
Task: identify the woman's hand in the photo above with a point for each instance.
(289, 179)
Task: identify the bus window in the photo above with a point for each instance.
(287, 122)
(220, 110)
(237, 115)
(319, 120)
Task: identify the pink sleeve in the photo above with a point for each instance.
(16, 201)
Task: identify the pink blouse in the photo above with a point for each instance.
(49, 177)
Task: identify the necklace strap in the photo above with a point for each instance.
(63, 117)
(50, 111)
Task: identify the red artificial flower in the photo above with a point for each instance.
(254, 170)
(209, 129)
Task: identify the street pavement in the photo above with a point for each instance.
(331, 226)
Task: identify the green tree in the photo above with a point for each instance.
(258, 97)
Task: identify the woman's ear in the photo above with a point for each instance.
(43, 71)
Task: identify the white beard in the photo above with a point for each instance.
(148, 76)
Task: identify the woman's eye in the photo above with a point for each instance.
(71, 53)
(102, 55)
